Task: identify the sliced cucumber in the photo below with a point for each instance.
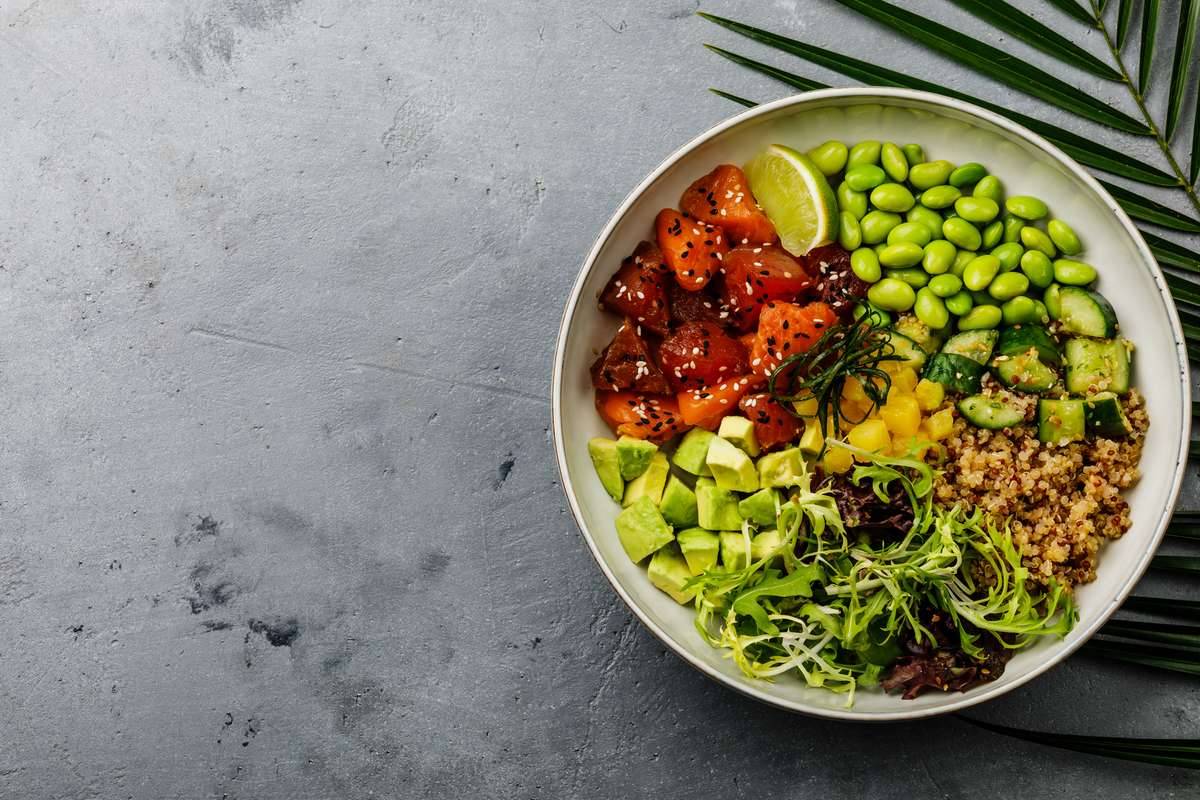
(919, 332)
(975, 345)
(956, 373)
(909, 351)
(989, 412)
(1105, 416)
(1097, 365)
(1019, 338)
(1024, 372)
(1060, 421)
(1086, 313)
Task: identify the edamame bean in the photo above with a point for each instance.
(851, 200)
(1012, 228)
(881, 317)
(915, 278)
(980, 318)
(865, 152)
(1037, 267)
(830, 157)
(894, 162)
(892, 294)
(991, 188)
(901, 254)
(930, 309)
(914, 153)
(1019, 310)
(1043, 316)
(976, 209)
(876, 225)
(941, 196)
(865, 264)
(1051, 299)
(962, 233)
(965, 175)
(892, 197)
(983, 299)
(961, 259)
(1008, 286)
(865, 177)
(913, 232)
(1034, 239)
(849, 232)
(1026, 206)
(1074, 273)
(992, 234)
(959, 304)
(980, 271)
(929, 174)
(930, 219)
(945, 285)
(1009, 254)
(939, 257)
(1064, 237)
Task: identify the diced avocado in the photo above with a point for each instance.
(759, 507)
(642, 529)
(812, 440)
(678, 505)
(781, 468)
(668, 570)
(1060, 421)
(692, 452)
(732, 469)
(604, 459)
(735, 551)
(650, 483)
(765, 543)
(716, 507)
(739, 432)
(700, 548)
(633, 455)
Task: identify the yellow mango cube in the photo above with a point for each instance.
(902, 416)
(812, 441)
(929, 394)
(806, 408)
(852, 391)
(939, 426)
(872, 436)
(904, 377)
(908, 446)
(837, 460)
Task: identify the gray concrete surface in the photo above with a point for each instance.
(278, 512)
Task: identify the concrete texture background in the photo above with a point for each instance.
(279, 281)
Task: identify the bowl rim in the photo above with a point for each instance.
(989, 691)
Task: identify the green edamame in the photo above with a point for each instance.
(967, 174)
(914, 153)
(980, 318)
(851, 200)
(865, 152)
(1064, 237)
(992, 234)
(930, 309)
(865, 177)
(962, 233)
(876, 225)
(945, 285)
(1026, 206)
(976, 209)
(929, 174)
(1035, 239)
(927, 217)
(1043, 316)
(1012, 228)
(1007, 286)
(892, 197)
(894, 162)
(881, 317)
(939, 257)
(849, 232)
(1037, 267)
(940, 196)
(915, 278)
(913, 232)
(1073, 273)
(830, 157)
(1051, 299)
(959, 304)
(900, 255)
(990, 188)
(1019, 310)
(982, 298)
(1009, 254)
(892, 294)
(865, 264)
(980, 272)
(961, 259)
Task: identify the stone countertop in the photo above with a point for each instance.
(280, 280)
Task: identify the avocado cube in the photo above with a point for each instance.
(633, 456)
(642, 529)
(700, 548)
(604, 459)
(765, 543)
(759, 507)
(812, 440)
(692, 452)
(650, 483)
(669, 571)
(732, 469)
(678, 505)
(782, 469)
(716, 507)
(735, 550)
(739, 432)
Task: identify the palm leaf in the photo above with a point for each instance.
(1189, 565)
(1084, 150)
(1146, 53)
(1165, 606)
(1171, 254)
(1182, 288)
(1073, 9)
(1186, 636)
(1168, 658)
(996, 64)
(1124, 15)
(1194, 156)
(740, 100)
(791, 79)
(1149, 211)
(1008, 19)
(1189, 17)
(1165, 752)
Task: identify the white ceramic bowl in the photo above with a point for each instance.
(1027, 164)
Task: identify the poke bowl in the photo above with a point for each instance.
(871, 404)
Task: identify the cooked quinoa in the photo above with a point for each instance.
(1061, 500)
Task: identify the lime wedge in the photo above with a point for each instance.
(795, 196)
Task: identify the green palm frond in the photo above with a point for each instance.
(1185, 42)
(1165, 752)
(1146, 50)
(1124, 16)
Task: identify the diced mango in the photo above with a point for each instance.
(807, 408)
(872, 436)
(939, 426)
(852, 390)
(837, 460)
(907, 446)
(902, 416)
(904, 377)
(930, 394)
(812, 440)
(852, 412)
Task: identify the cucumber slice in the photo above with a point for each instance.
(975, 345)
(1097, 365)
(1019, 338)
(956, 373)
(1060, 421)
(919, 332)
(909, 351)
(1024, 372)
(989, 412)
(1086, 313)
(1105, 416)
